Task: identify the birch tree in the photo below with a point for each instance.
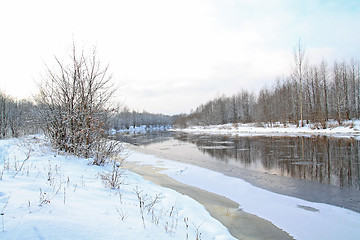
(299, 69)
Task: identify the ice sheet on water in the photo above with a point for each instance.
(215, 147)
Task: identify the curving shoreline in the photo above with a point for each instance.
(240, 224)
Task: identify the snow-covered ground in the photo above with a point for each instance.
(55, 196)
(349, 128)
(301, 219)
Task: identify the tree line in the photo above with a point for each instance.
(127, 118)
(311, 93)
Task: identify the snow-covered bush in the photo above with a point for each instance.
(74, 104)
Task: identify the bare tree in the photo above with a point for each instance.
(337, 90)
(354, 95)
(74, 103)
(324, 79)
(3, 115)
(299, 71)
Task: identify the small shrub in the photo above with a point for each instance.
(44, 198)
(113, 178)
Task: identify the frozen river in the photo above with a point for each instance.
(327, 160)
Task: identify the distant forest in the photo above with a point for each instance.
(130, 118)
(311, 93)
(17, 117)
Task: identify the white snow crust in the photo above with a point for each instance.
(349, 128)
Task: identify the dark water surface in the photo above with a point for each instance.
(328, 160)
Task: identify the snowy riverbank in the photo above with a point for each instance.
(55, 196)
(349, 128)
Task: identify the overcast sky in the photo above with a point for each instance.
(170, 56)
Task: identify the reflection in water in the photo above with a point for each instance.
(327, 160)
(323, 159)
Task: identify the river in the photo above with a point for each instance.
(314, 168)
(326, 160)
